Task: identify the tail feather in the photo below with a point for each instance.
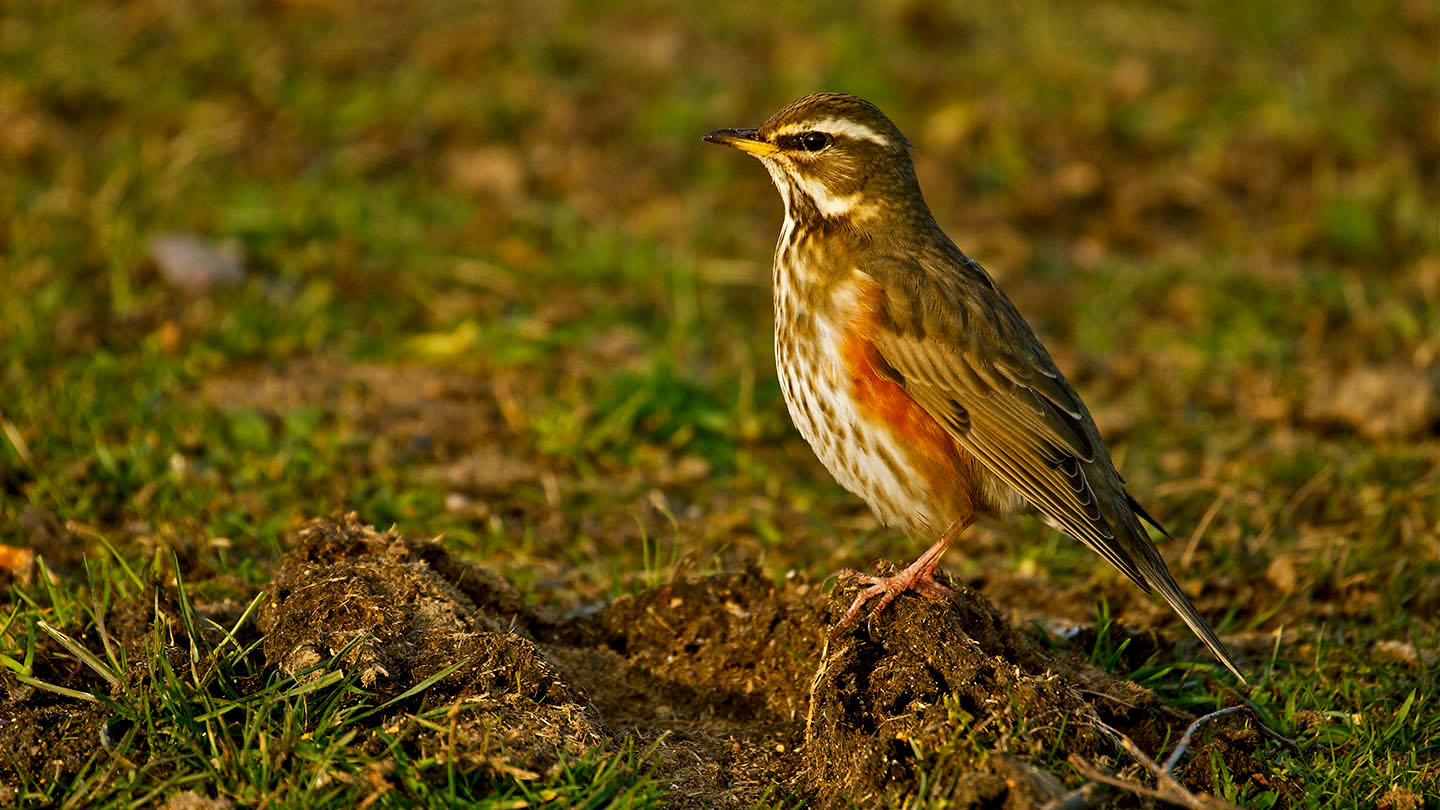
(1145, 516)
(1161, 580)
(1158, 578)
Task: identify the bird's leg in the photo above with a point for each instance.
(919, 576)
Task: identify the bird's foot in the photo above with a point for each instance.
(919, 577)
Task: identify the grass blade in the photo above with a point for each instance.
(78, 650)
(59, 690)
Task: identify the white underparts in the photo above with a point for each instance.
(818, 387)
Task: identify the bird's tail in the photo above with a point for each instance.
(1160, 579)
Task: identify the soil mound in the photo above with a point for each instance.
(402, 612)
(737, 689)
(949, 699)
(739, 684)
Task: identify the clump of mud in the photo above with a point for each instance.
(740, 685)
(949, 692)
(739, 689)
(400, 611)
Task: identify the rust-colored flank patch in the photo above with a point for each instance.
(881, 397)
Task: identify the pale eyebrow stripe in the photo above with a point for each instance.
(837, 126)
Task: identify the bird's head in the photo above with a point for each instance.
(834, 157)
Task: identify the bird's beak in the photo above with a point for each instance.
(744, 140)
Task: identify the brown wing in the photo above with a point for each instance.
(965, 354)
(1019, 435)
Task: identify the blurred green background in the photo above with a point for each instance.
(495, 287)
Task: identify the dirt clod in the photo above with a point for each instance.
(737, 685)
(737, 689)
(375, 600)
(951, 693)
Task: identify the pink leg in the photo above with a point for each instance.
(919, 576)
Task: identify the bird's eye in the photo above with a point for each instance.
(814, 141)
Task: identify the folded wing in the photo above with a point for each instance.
(973, 363)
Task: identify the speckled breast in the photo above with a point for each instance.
(867, 431)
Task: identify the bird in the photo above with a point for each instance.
(912, 376)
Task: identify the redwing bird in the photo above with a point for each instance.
(910, 373)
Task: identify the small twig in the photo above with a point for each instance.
(104, 632)
(1088, 795)
(1167, 787)
(1272, 733)
(1184, 743)
(820, 673)
(1113, 699)
(1170, 791)
(1170, 788)
(1174, 758)
(1194, 542)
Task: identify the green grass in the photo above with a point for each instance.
(192, 714)
(446, 192)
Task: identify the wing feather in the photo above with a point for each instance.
(959, 347)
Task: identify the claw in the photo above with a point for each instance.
(918, 579)
(919, 576)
